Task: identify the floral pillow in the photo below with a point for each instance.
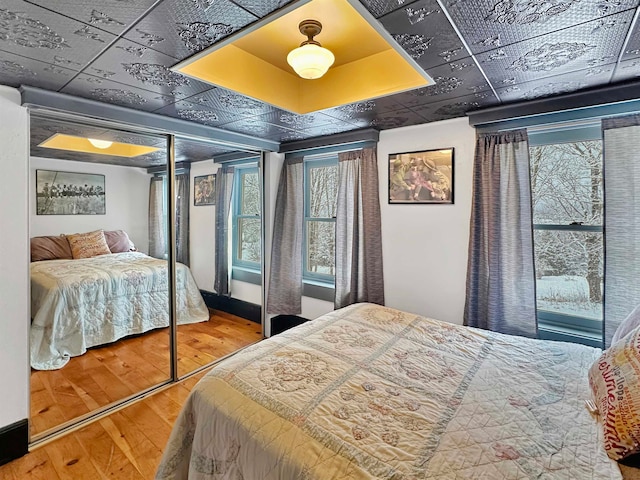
(615, 384)
(87, 245)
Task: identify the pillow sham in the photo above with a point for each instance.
(118, 241)
(628, 324)
(615, 384)
(50, 248)
(87, 245)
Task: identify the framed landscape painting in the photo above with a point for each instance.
(204, 190)
(69, 193)
(421, 177)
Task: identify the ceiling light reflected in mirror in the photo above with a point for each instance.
(72, 143)
(100, 143)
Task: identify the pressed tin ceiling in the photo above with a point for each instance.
(350, 33)
(479, 52)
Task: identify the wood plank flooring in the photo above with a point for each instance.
(126, 445)
(110, 373)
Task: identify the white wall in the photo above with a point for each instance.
(14, 260)
(425, 246)
(202, 229)
(126, 195)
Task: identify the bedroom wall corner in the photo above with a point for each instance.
(424, 247)
(14, 244)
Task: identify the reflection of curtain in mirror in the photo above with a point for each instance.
(157, 230)
(182, 218)
(224, 189)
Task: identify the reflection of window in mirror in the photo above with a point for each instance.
(246, 214)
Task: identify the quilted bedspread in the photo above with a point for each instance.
(77, 304)
(372, 392)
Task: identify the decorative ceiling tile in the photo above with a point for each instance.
(632, 49)
(31, 31)
(295, 121)
(585, 45)
(627, 70)
(221, 99)
(261, 8)
(399, 118)
(108, 91)
(111, 15)
(487, 24)
(450, 83)
(425, 33)
(148, 70)
(378, 8)
(180, 28)
(258, 128)
(195, 113)
(454, 108)
(557, 85)
(16, 70)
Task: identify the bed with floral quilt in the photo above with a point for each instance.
(372, 392)
(81, 303)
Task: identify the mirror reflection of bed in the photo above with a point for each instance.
(100, 306)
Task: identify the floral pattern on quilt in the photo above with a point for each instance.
(81, 303)
(417, 399)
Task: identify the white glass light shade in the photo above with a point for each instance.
(310, 61)
(100, 143)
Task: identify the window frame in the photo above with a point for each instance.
(238, 265)
(561, 326)
(308, 277)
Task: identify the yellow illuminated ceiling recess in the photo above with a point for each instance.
(253, 62)
(61, 141)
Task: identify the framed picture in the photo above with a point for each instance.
(69, 193)
(421, 177)
(204, 190)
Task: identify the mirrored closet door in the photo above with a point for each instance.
(100, 311)
(218, 236)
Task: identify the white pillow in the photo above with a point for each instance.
(628, 324)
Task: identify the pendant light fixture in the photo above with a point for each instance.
(310, 60)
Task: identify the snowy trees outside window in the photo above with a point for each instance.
(567, 197)
(321, 180)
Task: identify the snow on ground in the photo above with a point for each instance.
(568, 294)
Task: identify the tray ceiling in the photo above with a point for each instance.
(120, 52)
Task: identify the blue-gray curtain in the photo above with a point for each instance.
(621, 144)
(224, 190)
(359, 273)
(285, 274)
(500, 273)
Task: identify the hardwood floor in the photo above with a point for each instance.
(113, 372)
(126, 445)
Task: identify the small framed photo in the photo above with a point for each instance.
(69, 193)
(204, 190)
(421, 177)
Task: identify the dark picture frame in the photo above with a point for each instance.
(204, 190)
(70, 193)
(422, 177)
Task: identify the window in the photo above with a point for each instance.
(567, 201)
(320, 203)
(246, 218)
